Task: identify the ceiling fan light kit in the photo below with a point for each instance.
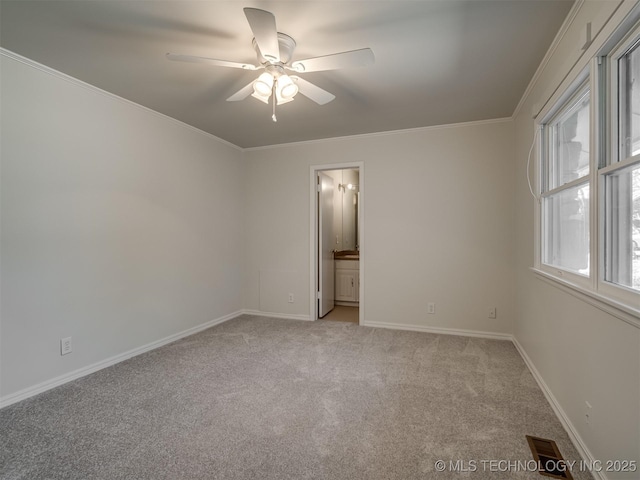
(286, 88)
(274, 80)
(263, 85)
(275, 53)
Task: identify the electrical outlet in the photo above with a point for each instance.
(588, 413)
(65, 346)
(431, 308)
(291, 298)
(492, 312)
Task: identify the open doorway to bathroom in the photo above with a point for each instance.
(337, 238)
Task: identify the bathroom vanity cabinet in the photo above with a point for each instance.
(347, 282)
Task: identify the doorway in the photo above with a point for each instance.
(337, 241)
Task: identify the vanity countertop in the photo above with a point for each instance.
(347, 255)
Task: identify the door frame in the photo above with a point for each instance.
(313, 229)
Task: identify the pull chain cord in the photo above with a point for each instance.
(533, 144)
(273, 99)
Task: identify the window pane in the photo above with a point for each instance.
(622, 227)
(569, 143)
(629, 121)
(566, 223)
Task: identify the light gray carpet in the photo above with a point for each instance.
(260, 398)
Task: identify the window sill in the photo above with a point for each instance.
(608, 305)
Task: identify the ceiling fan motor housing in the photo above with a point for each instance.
(287, 46)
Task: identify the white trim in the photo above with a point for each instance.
(564, 28)
(612, 307)
(346, 304)
(286, 316)
(440, 330)
(563, 99)
(94, 367)
(595, 138)
(608, 288)
(537, 189)
(383, 134)
(563, 102)
(616, 47)
(574, 436)
(567, 186)
(574, 278)
(628, 162)
(67, 78)
(611, 299)
(313, 244)
(624, 8)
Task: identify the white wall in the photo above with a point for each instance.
(120, 226)
(438, 225)
(581, 353)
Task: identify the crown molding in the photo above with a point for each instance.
(382, 134)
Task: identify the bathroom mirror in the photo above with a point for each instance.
(345, 211)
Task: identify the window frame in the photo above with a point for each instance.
(600, 72)
(582, 91)
(584, 81)
(613, 160)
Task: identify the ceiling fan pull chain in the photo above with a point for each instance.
(273, 101)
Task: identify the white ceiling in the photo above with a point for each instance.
(437, 62)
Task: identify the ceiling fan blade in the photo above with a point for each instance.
(211, 61)
(313, 92)
(353, 58)
(263, 26)
(241, 94)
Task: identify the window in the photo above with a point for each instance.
(621, 171)
(565, 197)
(629, 102)
(589, 177)
(622, 227)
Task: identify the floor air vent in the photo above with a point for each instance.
(549, 458)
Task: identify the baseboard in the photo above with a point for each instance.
(441, 330)
(574, 436)
(288, 316)
(84, 371)
(347, 304)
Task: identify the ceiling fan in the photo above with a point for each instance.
(275, 52)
